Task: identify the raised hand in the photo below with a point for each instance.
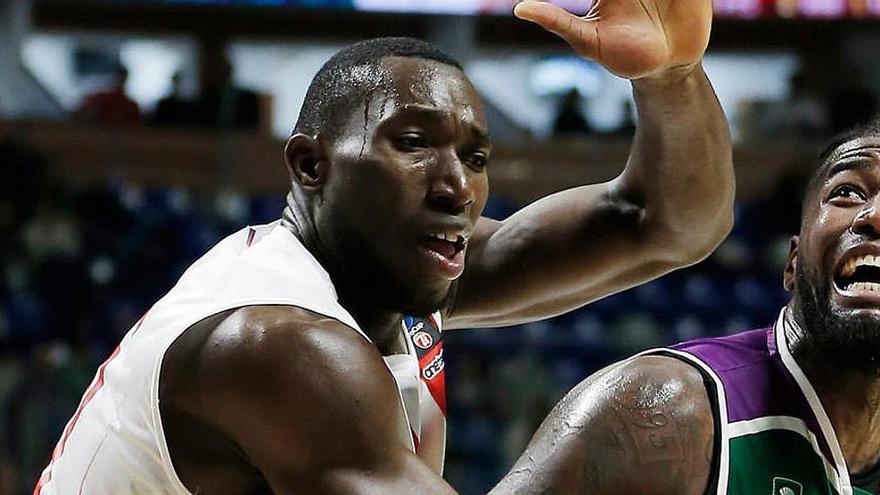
(631, 38)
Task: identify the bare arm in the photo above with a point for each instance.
(307, 403)
(643, 426)
(670, 207)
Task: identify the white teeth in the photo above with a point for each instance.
(850, 266)
(863, 287)
(448, 236)
(441, 236)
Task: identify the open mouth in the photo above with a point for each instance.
(445, 252)
(446, 244)
(859, 274)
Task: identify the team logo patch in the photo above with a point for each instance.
(785, 486)
(423, 340)
(427, 342)
(416, 326)
(435, 367)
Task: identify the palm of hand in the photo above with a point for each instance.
(631, 38)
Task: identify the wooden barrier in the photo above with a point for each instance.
(253, 162)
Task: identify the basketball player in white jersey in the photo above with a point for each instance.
(304, 356)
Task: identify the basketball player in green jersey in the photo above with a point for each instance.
(791, 409)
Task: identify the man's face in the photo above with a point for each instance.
(834, 265)
(406, 185)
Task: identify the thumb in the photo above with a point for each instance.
(578, 32)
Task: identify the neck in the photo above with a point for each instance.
(382, 327)
(852, 401)
(850, 397)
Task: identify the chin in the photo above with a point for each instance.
(424, 306)
(839, 334)
(422, 301)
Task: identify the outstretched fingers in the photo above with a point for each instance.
(580, 33)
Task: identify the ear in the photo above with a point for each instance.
(790, 273)
(305, 162)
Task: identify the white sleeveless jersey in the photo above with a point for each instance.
(114, 443)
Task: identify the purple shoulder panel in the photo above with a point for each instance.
(754, 378)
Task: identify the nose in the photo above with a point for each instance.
(867, 222)
(450, 190)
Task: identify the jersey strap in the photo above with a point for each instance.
(424, 333)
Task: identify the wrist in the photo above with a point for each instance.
(672, 75)
(678, 80)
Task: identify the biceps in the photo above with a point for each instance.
(551, 257)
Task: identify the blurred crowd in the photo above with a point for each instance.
(81, 264)
(221, 104)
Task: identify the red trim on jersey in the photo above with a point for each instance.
(137, 325)
(437, 387)
(437, 383)
(429, 356)
(434, 321)
(90, 393)
(415, 441)
(93, 389)
(42, 481)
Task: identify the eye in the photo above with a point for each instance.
(477, 161)
(847, 193)
(410, 141)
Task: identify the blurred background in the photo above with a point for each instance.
(135, 134)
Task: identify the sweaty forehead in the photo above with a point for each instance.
(859, 147)
(857, 153)
(422, 82)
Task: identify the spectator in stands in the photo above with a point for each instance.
(174, 109)
(627, 127)
(806, 115)
(220, 105)
(111, 106)
(569, 118)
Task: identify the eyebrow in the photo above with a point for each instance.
(854, 162)
(480, 134)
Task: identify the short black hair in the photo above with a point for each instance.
(871, 128)
(351, 73)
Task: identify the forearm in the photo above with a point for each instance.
(680, 168)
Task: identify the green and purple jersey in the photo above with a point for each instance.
(776, 436)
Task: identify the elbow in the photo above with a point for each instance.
(681, 244)
(691, 245)
(706, 244)
(677, 235)
(713, 227)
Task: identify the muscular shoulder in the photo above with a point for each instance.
(256, 344)
(280, 382)
(640, 426)
(659, 425)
